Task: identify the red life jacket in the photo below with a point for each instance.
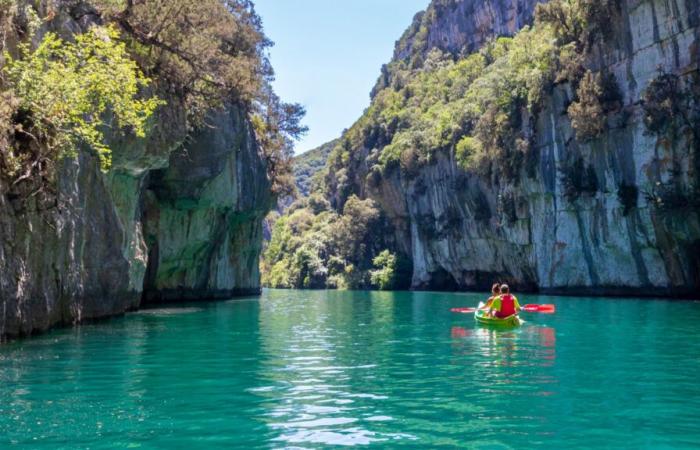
(507, 306)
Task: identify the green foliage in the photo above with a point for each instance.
(666, 104)
(596, 96)
(314, 247)
(481, 108)
(587, 115)
(200, 54)
(210, 54)
(393, 271)
(277, 125)
(473, 106)
(309, 164)
(69, 92)
(383, 276)
(579, 22)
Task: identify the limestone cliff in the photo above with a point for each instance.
(462, 27)
(203, 215)
(188, 227)
(463, 230)
(178, 217)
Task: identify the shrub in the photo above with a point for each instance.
(579, 179)
(318, 203)
(319, 248)
(65, 92)
(580, 22)
(374, 177)
(469, 153)
(200, 54)
(586, 113)
(210, 54)
(383, 276)
(665, 104)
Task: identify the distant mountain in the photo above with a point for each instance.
(309, 163)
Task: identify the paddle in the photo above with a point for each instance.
(544, 309)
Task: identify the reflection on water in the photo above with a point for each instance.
(314, 390)
(314, 369)
(527, 346)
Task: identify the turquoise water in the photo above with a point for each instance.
(315, 369)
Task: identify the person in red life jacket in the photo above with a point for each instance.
(495, 293)
(506, 305)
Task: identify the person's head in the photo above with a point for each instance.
(496, 289)
(505, 289)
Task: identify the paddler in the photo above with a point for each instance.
(505, 305)
(495, 293)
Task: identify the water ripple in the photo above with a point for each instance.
(307, 369)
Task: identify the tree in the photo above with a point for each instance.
(65, 94)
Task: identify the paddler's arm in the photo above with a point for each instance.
(518, 308)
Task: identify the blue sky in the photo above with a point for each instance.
(328, 54)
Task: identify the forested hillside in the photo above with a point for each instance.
(308, 164)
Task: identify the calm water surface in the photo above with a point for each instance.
(315, 369)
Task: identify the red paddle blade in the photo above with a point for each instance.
(463, 310)
(545, 309)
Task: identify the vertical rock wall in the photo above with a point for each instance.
(203, 215)
(178, 217)
(157, 227)
(464, 26)
(62, 262)
(464, 231)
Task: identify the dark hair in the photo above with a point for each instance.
(495, 288)
(505, 289)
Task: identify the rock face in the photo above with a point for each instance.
(464, 232)
(157, 227)
(176, 218)
(464, 26)
(63, 263)
(203, 215)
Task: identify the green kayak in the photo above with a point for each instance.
(481, 316)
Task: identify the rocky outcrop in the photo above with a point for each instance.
(461, 27)
(178, 217)
(617, 238)
(203, 215)
(62, 262)
(160, 226)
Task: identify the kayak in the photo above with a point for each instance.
(481, 316)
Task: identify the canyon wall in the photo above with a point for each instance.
(176, 227)
(178, 217)
(464, 231)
